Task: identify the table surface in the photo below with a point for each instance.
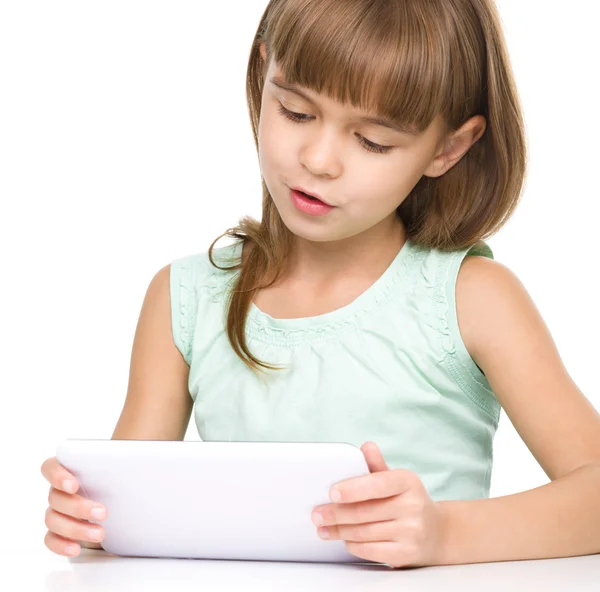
(98, 571)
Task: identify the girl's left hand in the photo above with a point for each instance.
(386, 516)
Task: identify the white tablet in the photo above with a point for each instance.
(213, 500)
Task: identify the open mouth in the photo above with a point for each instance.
(309, 196)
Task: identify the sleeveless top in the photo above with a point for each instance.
(390, 367)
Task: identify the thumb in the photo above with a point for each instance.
(374, 458)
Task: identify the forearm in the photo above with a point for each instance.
(559, 519)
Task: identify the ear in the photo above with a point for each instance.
(263, 51)
(456, 146)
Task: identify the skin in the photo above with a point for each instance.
(346, 250)
(337, 257)
(68, 512)
(387, 515)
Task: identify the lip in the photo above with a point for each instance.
(312, 194)
(309, 206)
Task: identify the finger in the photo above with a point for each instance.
(61, 545)
(374, 457)
(360, 533)
(71, 528)
(359, 512)
(58, 476)
(75, 505)
(376, 485)
(381, 552)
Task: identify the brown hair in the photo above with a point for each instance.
(451, 51)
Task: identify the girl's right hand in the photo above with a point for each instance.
(68, 513)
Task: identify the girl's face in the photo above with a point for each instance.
(333, 154)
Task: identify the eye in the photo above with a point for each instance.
(302, 118)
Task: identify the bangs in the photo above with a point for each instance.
(379, 57)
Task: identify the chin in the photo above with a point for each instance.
(316, 230)
(313, 232)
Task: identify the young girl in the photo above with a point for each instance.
(365, 307)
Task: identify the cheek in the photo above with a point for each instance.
(380, 188)
(270, 136)
(398, 179)
(271, 158)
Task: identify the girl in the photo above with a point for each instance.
(365, 306)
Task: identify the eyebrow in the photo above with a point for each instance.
(382, 121)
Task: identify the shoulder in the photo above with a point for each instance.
(204, 273)
(490, 301)
(204, 266)
(478, 271)
(162, 277)
(157, 295)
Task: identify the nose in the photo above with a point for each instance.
(321, 155)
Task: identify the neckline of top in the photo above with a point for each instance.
(260, 322)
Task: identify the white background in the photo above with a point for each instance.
(125, 142)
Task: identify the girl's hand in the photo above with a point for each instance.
(68, 514)
(386, 516)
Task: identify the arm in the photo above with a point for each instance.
(158, 405)
(559, 519)
(508, 339)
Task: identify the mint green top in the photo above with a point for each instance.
(390, 367)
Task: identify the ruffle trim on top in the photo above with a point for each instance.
(293, 331)
(218, 282)
(188, 307)
(197, 274)
(461, 366)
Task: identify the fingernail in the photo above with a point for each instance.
(72, 549)
(69, 485)
(335, 495)
(98, 513)
(95, 535)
